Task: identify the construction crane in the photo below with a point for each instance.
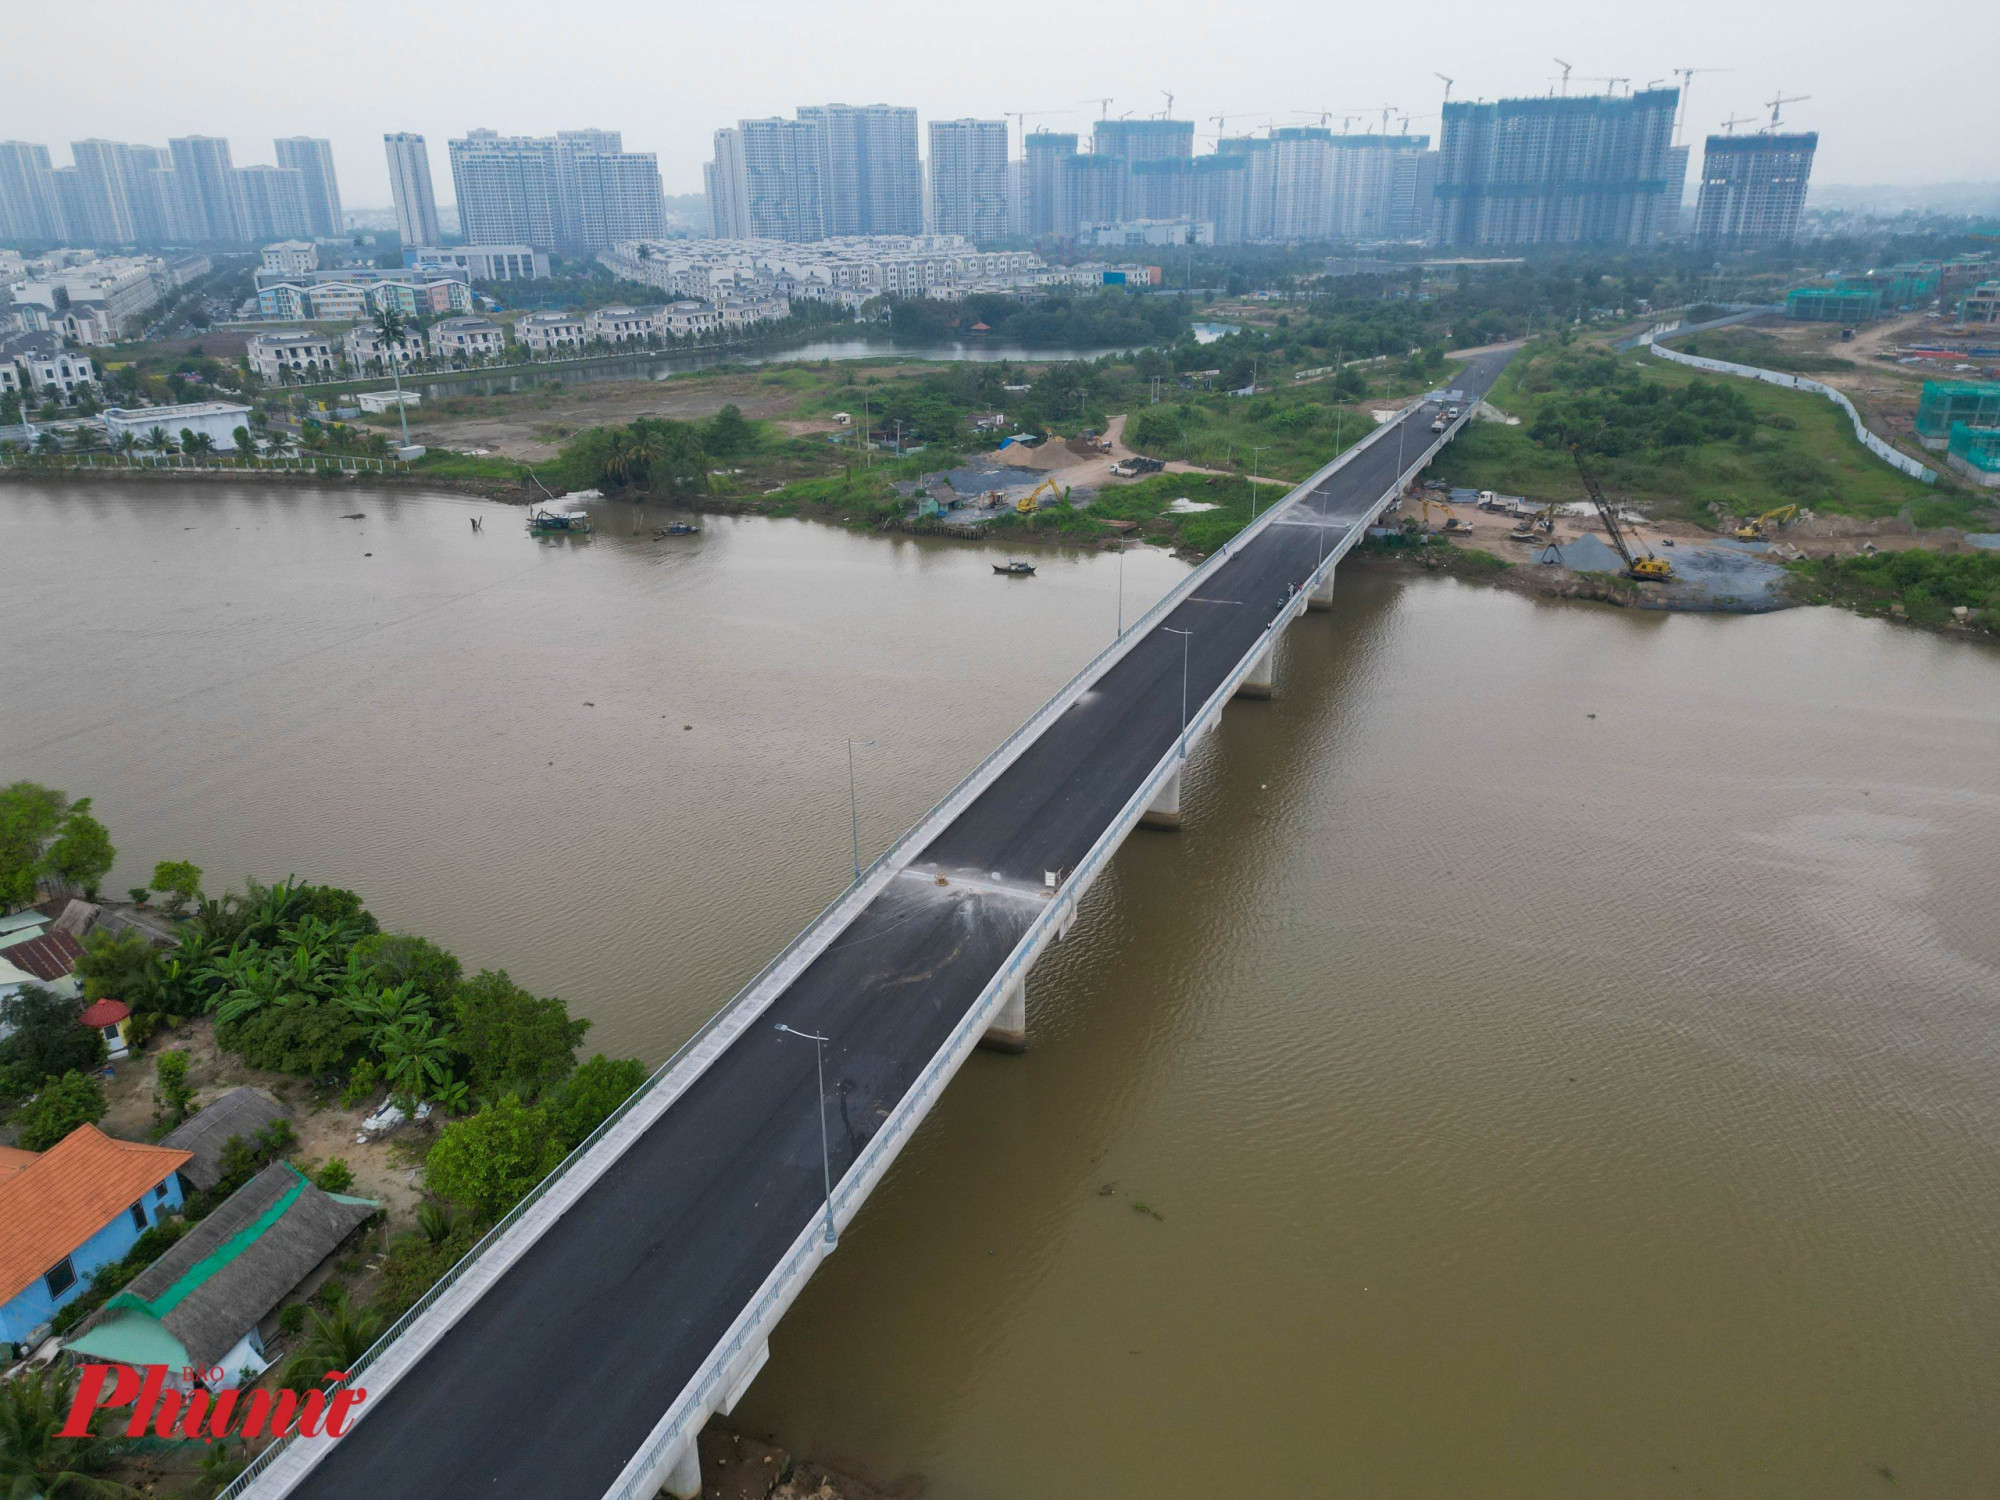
(1168, 112)
(1729, 125)
(1780, 102)
(1610, 84)
(1448, 82)
(1686, 75)
(1566, 69)
(1749, 531)
(1645, 569)
(1021, 118)
(1103, 106)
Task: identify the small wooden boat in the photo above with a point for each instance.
(1014, 568)
(557, 522)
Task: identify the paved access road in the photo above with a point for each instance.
(550, 1383)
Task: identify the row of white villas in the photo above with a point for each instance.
(312, 356)
(555, 332)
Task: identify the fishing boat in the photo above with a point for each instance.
(1014, 568)
(677, 528)
(557, 523)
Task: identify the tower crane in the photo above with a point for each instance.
(1729, 125)
(1780, 102)
(1448, 82)
(1566, 68)
(1021, 118)
(1103, 106)
(1168, 113)
(1686, 75)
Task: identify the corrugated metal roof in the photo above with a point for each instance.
(48, 956)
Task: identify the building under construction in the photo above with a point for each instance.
(1753, 189)
(1594, 169)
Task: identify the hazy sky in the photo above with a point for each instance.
(1895, 100)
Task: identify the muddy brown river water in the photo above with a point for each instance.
(1559, 1057)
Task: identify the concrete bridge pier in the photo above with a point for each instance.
(1165, 809)
(1008, 1031)
(1321, 598)
(1257, 683)
(678, 1475)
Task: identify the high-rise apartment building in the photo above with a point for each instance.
(868, 167)
(29, 212)
(1753, 188)
(969, 179)
(273, 203)
(782, 186)
(312, 159)
(1143, 140)
(1590, 169)
(210, 203)
(577, 190)
(1048, 185)
(727, 188)
(410, 188)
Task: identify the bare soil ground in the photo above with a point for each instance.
(382, 1168)
(533, 425)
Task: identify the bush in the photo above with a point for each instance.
(62, 1105)
(489, 1162)
(171, 1080)
(179, 880)
(393, 958)
(335, 1177)
(512, 1040)
(122, 966)
(585, 1099)
(292, 1319)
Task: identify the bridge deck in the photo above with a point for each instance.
(551, 1380)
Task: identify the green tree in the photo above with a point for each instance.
(35, 1459)
(121, 965)
(63, 1104)
(43, 1041)
(585, 1099)
(728, 433)
(30, 816)
(170, 1078)
(511, 1039)
(82, 854)
(179, 880)
(488, 1162)
(415, 1059)
(394, 958)
(336, 1337)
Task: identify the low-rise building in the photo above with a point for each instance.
(550, 332)
(112, 1020)
(467, 339)
(67, 1212)
(368, 353)
(486, 262)
(290, 356)
(38, 364)
(216, 420)
(291, 257)
(690, 319)
(623, 325)
(378, 402)
(1981, 305)
(344, 301)
(239, 1115)
(203, 1304)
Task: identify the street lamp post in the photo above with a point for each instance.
(1186, 636)
(825, 1154)
(1121, 588)
(1256, 454)
(854, 806)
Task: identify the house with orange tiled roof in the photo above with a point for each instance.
(70, 1210)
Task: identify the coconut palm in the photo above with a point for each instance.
(158, 441)
(391, 328)
(336, 1337)
(35, 1459)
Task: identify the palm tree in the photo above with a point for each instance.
(335, 1339)
(391, 328)
(126, 442)
(415, 1060)
(35, 1460)
(158, 441)
(196, 442)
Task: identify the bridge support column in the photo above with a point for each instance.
(1322, 597)
(1258, 683)
(1165, 810)
(680, 1476)
(1009, 1029)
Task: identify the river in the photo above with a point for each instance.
(1558, 1057)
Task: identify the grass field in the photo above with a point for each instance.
(1803, 452)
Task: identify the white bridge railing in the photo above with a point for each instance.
(741, 1351)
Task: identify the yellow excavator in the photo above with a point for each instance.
(1646, 568)
(1751, 531)
(1029, 503)
(1452, 525)
(1543, 520)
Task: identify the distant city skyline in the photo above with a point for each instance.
(1875, 108)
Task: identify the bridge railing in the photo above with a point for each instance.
(726, 1368)
(681, 1068)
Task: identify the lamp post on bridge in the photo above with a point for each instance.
(1186, 636)
(825, 1154)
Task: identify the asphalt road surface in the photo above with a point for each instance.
(550, 1383)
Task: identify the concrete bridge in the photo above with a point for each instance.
(577, 1352)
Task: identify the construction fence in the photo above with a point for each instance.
(1862, 435)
